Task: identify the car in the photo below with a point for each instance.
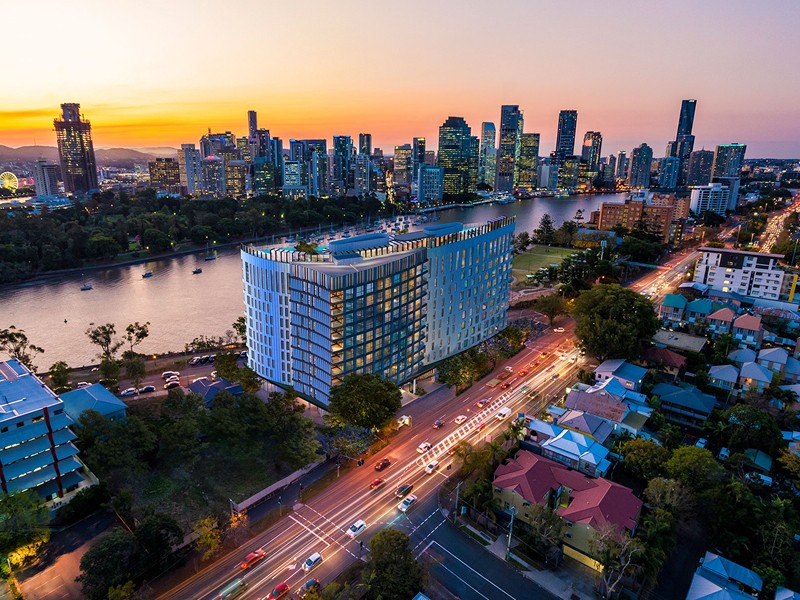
(404, 420)
(543, 355)
(279, 592)
(129, 392)
(194, 361)
(437, 424)
(403, 490)
(556, 375)
(147, 389)
(254, 557)
(312, 561)
(550, 368)
(174, 378)
(562, 357)
(212, 358)
(356, 528)
(479, 427)
(407, 503)
(522, 373)
(213, 374)
(460, 419)
(204, 359)
(172, 384)
(451, 451)
(243, 354)
(167, 374)
(510, 369)
(481, 403)
(701, 443)
(574, 359)
(308, 586)
(558, 330)
(83, 384)
(724, 454)
(431, 468)
(424, 447)
(376, 483)
(505, 386)
(382, 464)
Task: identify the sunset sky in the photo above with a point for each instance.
(157, 73)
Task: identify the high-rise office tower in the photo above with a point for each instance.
(455, 148)
(361, 178)
(487, 165)
(430, 180)
(342, 154)
(686, 119)
(527, 161)
(252, 124)
(668, 172)
(263, 144)
(276, 152)
(565, 138)
(700, 163)
(417, 157)
(365, 143)
(236, 178)
(263, 176)
(218, 144)
(639, 171)
(165, 175)
(430, 158)
(622, 165)
(213, 175)
(189, 168)
(45, 177)
(76, 151)
(728, 160)
(511, 125)
(402, 164)
(683, 145)
(474, 159)
(568, 171)
(592, 145)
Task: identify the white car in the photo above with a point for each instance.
(431, 468)
(559, 330)
(173, 378)
(312, 561)
(167, 374)
(196, 379)
(356, 528)
(510, 369)
(129, 392)
(459, 419)
(424, 447)
(83, 384)
(406, 504)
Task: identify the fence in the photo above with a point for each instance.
(278, 485)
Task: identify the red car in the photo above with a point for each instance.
(522, 373)
(252, 558)
(377, 483)
(382, 464)
(479, 427)
(505, 386)
(280, 591)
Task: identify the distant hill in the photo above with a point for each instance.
(160, 151)
(114, 157)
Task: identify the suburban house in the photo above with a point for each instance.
(622, 409)
(783, 593)
(742, 356)
(677, 340)
(718, 578)
(773, 359)
(208, 389)
(724, 377)
(584, 503)
(673, 308)
(590, 425)
(94, 397)
(747, 330)
(665, 360)
(569, 447)
(627, 374)
(697, 311)
(686, 406)
(753, 375)
(721, 321)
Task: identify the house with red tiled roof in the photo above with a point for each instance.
(721, 321)
(585, 503)
(665, 360)
(747, 330)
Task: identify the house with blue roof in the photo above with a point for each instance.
(698, 311)
(629, 375)
(36, 449)
(94, 397)
(686, 406)
(568, 447)
(208, 389)
(718, 578)
(673, 308)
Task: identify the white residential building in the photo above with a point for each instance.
(753, 274)
(710, 198)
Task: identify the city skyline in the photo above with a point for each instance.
(135, 98)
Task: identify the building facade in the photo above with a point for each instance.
(189, 168)
(76, 151)
(728, 160)
(752, 274)
(456, 155)
(487, 167)
(700, 163)
(402, 164)
(367, 304)
(165, 175)
(527, 162)
(431, 182)
(511, 124)
(714, 198)
(639, 171)
(45, 178)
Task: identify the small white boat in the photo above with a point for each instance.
(86, 287)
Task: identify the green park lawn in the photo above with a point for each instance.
(536, 257)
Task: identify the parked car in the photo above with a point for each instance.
(83, 384)
(194, 361)
(407, 503)
(404, 420)
(196, 379)
(424, 447)
(147, 389)
(312, 561)
(382, 464)
(243, 354)
(356, 528)
(376, 483)
(701, 443)
(128, 392)
(279, 592)
(251, 559)
(431, 468)
(172, 384)
(167, 374)
(724, 454)
(460, 419)
(403, 490)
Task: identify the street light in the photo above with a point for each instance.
(513, 511)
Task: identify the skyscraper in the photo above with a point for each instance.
(365, 143)
(511, 125)
(639, 171)
(165, 175)
(213, 175)
(342, 152)
(683, 145)
(417, 157)
(189, 168)
(76, 151)
(700, 162)
(565, 139)
(527, 161)
(252, 125)
(686, 119)
(592, 145)
(728, 160)
(218, 144)
(402, 164)
(668, 173)
(45, 178)
(622, 165)
(455, 148)
(362, 173)
(488, 154)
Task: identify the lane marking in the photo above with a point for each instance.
(311, 531)
(489, 581)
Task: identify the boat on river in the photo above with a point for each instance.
(197, 271)
(86, 287)
(147, 274)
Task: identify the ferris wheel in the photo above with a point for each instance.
(9, 181)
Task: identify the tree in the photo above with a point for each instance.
(157, 535)
(363, 400)
(209, 538)
(226, 365)
(617, 552)
(240, 327)
(670, 495)
(102, 336)
(109, 371)
(59, 375)
(613, 321)
(752, 428)
(644, 458)
(551, 306)
(125, 591)
(392, 571)
(238, 527)
(544, 233)
(347, 440)
(249, 380)
(110, 561)
(15, 343)
(135, 369)
(694, 467)
(135, 334)
(790, 461)
(24, 518)
(522, 241)
(546, 530)
(455, 371)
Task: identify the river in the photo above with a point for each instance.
(180, 306)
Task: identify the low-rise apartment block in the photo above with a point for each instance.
(750, 274)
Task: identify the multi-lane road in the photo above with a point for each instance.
(320, 525)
